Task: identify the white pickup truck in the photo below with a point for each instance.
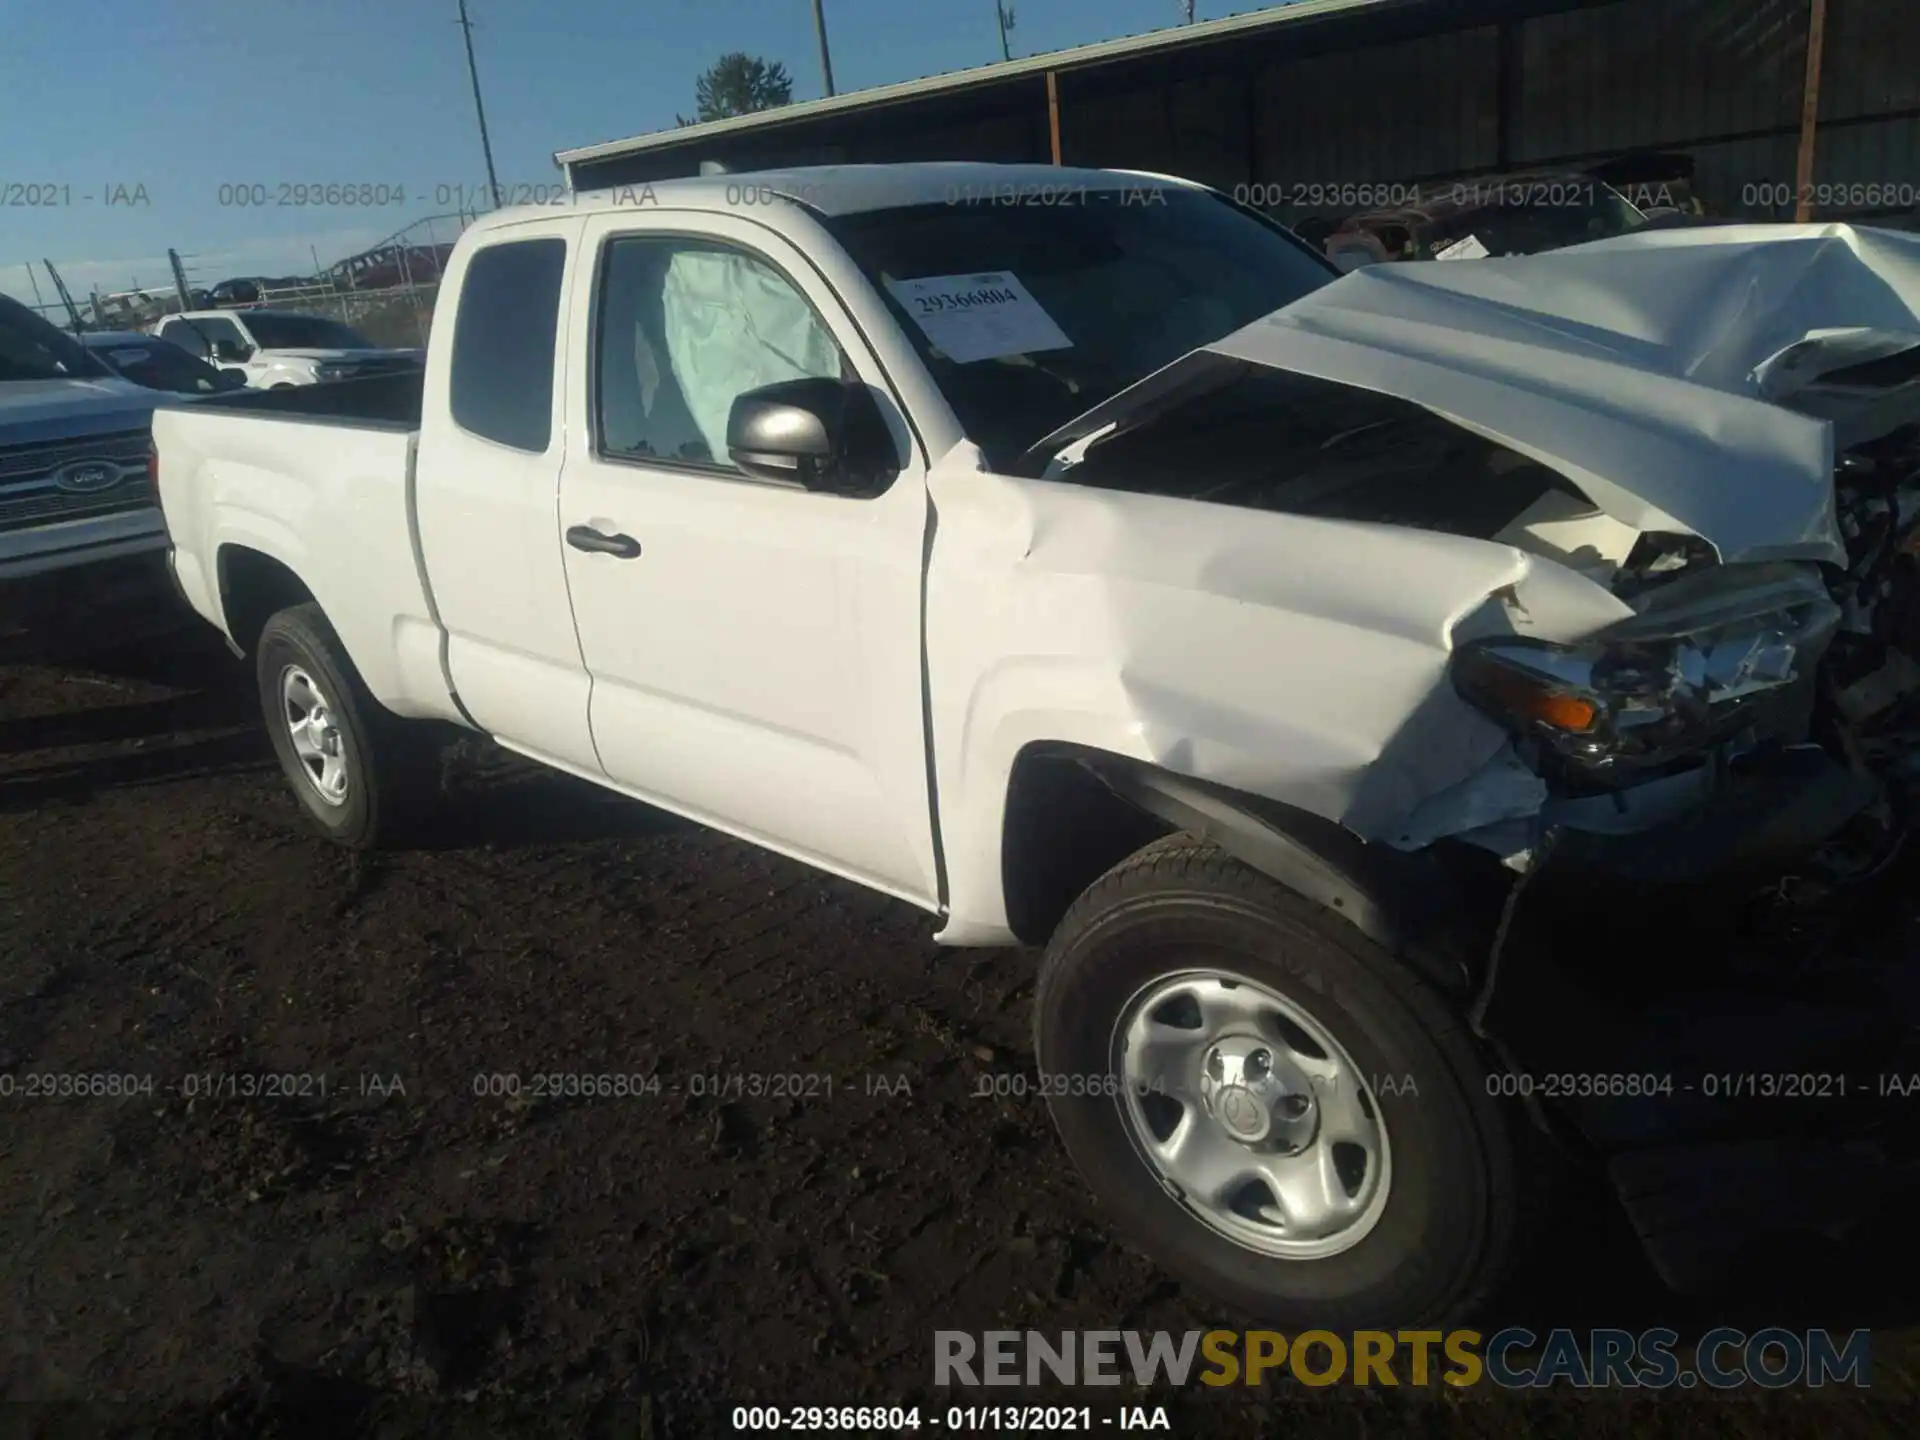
(278, 349)
(1073, 555)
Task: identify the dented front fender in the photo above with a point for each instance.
(1296, 659)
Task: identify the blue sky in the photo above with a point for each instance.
(162, 103)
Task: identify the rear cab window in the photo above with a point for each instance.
(505, 338)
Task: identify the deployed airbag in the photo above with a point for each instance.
(734, 324)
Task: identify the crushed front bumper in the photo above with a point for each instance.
(1766, 812)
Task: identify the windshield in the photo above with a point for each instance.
(160, 365)
(302, 332)
(34, 349)
(1026, 315)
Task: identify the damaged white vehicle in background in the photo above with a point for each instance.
(1288, 654)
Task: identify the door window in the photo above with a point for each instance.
(217, 331)
(186, 336)
(504, 338)
(686, 326)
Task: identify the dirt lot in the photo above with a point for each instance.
(401, 1253)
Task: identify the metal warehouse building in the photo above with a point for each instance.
(1775, 101)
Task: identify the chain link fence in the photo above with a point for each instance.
(386, 292)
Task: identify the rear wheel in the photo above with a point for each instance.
(362, 775)
(1275, 1109)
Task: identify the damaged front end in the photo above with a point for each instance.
(1713, 678)
(1788, 679)
(1587, 584)
(1640, 676)
(1730, 427)
(1706, 659)
(1694, 799)
(1722, 774)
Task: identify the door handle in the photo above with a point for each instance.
(585, 537)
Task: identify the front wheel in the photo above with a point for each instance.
(1273, 1108)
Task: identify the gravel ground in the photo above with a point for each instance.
(402, 1255)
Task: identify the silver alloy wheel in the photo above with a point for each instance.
(317, 741)
(1251, 1114)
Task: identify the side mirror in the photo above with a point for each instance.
(231, 351)
(826, 435)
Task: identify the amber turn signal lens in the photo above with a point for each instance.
(1525, 698)
(1565, 712)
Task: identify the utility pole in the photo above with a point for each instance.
(486, 147)
(1004, 14)
(820, 29)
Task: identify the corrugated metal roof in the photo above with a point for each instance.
(1080, 56)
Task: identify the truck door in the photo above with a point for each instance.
(220, 338)
(754, 647)
(486, 484)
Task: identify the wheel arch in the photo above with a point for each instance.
(1073, 813)
(1062, 828)
(254, 586)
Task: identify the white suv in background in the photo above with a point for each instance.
(275, 349)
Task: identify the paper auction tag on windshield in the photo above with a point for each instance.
(1467, 249)
(979, 317)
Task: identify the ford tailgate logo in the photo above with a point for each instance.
(83, 477)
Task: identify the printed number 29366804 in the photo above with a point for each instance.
(979, 317)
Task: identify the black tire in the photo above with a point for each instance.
(391, 765)
(1449, 1230)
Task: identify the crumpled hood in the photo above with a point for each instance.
(1655, 371)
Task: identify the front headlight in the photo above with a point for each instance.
(1705, 658)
